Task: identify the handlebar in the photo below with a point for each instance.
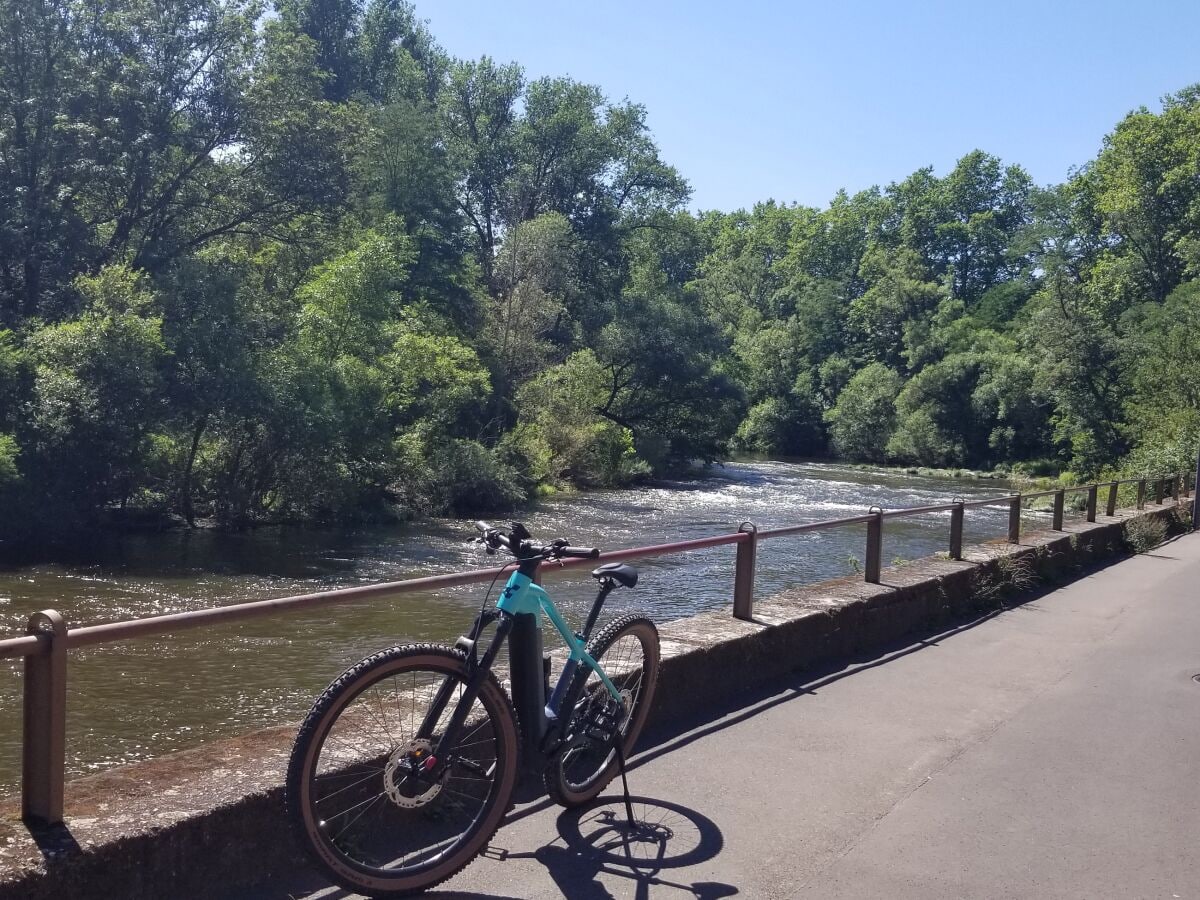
(518, 543)
(581, 552)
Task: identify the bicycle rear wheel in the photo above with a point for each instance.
(369, 806)
(627, 649)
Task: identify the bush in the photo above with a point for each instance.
(1036, 468)
(863, 419)
(781, 425)
(455, 476)
(8, 459)
(1145, 533)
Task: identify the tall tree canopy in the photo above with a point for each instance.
(263, 262)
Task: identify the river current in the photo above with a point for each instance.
(135, 699)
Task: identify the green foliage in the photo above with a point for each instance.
(862, 421)
(9, 471)
(454, 476)
(292, 261)
(899, 293)
(568, 434)
(1163, 407)
(96, 390)
(1144, 533)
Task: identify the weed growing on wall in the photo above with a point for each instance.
(1144, 533)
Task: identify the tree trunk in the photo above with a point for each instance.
(185, 486)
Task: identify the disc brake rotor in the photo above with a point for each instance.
(406, 761)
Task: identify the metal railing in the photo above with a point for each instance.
(47, 639)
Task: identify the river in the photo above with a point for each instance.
(136, 699)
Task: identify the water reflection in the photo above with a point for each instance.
(139, 698)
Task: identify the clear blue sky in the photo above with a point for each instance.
(758, 100)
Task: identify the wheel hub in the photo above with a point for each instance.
(403, 772)
(626, 705)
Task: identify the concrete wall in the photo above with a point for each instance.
(198, 823)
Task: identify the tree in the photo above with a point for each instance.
(659, 355)
(333, 28)
(936, 422)
(1080, 368)
(564, 435)
(479, 112)
(984, 208)
(537, 276)
(964, 226)
(1147, 181)
(1163, 406)
(43, 233)
(96, 394)
(863, 419)
(899, 293)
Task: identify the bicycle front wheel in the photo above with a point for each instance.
(369, 805)
(627, 650)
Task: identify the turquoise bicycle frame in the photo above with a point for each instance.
(522, 597)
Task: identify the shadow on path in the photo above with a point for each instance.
(598, 840)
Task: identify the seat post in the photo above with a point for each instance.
(606, 586)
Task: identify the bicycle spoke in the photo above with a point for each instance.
(367, 803)
(348, 787)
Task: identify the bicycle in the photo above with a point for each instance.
(406, 764)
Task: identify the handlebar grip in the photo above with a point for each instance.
(483, 527)
(582, 552)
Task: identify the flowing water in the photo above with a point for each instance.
(135, 699)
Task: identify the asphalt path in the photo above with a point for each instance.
(1048, 751)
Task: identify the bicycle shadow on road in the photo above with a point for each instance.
(597, 841)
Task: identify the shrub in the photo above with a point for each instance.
(451, 475)
(1145, 533)
(1036, 468)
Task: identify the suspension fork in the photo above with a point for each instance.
(467, 700)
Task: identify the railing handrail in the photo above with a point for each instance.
(918, 510)
(823, 525)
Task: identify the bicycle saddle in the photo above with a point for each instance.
(619, 572)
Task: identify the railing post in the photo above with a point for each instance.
(874, 545)
(1091, 502)
(1158, 491)
(1110, 508)
(1014, 520)
(44, 740)
(1196, 501)
(1175, 488)
(1059, 500)
(743, 573)
(1187, 484)
(956, 530)
(1141, 495)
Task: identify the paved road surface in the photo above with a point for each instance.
(1050, 751)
